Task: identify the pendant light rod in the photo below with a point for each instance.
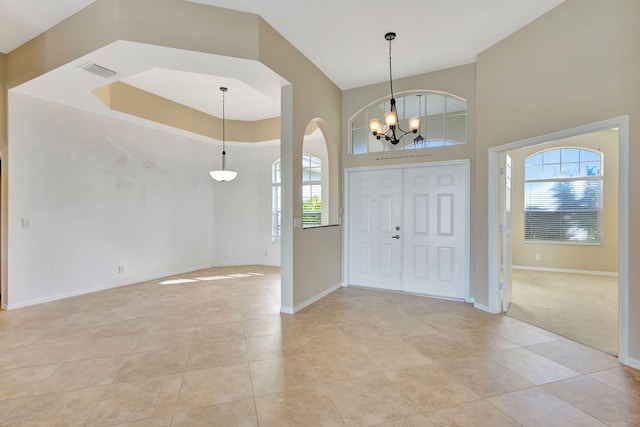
(390, 36)
(224, 151)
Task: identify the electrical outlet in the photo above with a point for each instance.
(538, 257)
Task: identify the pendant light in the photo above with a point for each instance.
(388, 131)
(223, 175)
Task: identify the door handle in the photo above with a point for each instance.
(397, 236)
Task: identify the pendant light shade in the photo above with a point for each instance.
(223, 175)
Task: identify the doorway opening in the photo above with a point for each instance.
(560, 208)
(562, 263)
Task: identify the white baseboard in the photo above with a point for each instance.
(104, 287)
(318, 297)
(286, 310)
(565, 270)
(482, 307)
(634, 363)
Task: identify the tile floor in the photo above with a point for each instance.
(210, 348)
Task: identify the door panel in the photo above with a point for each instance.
(436, 196)
(507, 285)
(375, 210)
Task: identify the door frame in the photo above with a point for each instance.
(622, 123)
(346, 218)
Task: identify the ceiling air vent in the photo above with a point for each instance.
(98, 70)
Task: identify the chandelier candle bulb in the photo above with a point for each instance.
(375, 126)
(414, 124)
(390, 118)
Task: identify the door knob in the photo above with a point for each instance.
(397, 236)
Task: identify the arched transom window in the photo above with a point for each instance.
(563, 196)
(443, 122)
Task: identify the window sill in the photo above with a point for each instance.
(551, 242)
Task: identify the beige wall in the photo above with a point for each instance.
(129, 99)
(577, 64)
(191, 26)
(313, 97)
(3, 101)
(603, 257)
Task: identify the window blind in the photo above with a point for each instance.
(563, 210)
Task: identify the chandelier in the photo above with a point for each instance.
(223, 175)
(391, 130)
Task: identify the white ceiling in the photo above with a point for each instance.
(254, 89)
(344, 38)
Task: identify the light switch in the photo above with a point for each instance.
(297, 222)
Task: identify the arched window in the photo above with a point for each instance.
(563, 196)
(443, 122)
(311, 194)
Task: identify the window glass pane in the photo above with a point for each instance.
(435, 132)
(359, 140)
(551, 156)
(375, 145)
(315, 174)
(590, 169)
(570, 155)
(456, 130)
(360, 121)
(532, 172)
(456, 106)
(570, 170)
(277, 175)
(589, 156)
(550, 171)
(411, 103)
(536, 159)
(435, 105)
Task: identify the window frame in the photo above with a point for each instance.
(276, 193)
(565, 179)
(407, 143)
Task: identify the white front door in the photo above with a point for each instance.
(375, 249)
(408, 229)
(435, 231)
(507, 284)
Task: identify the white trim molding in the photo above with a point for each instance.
(297, 308)
(112, 285)
(482, 307)
(634, 363)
